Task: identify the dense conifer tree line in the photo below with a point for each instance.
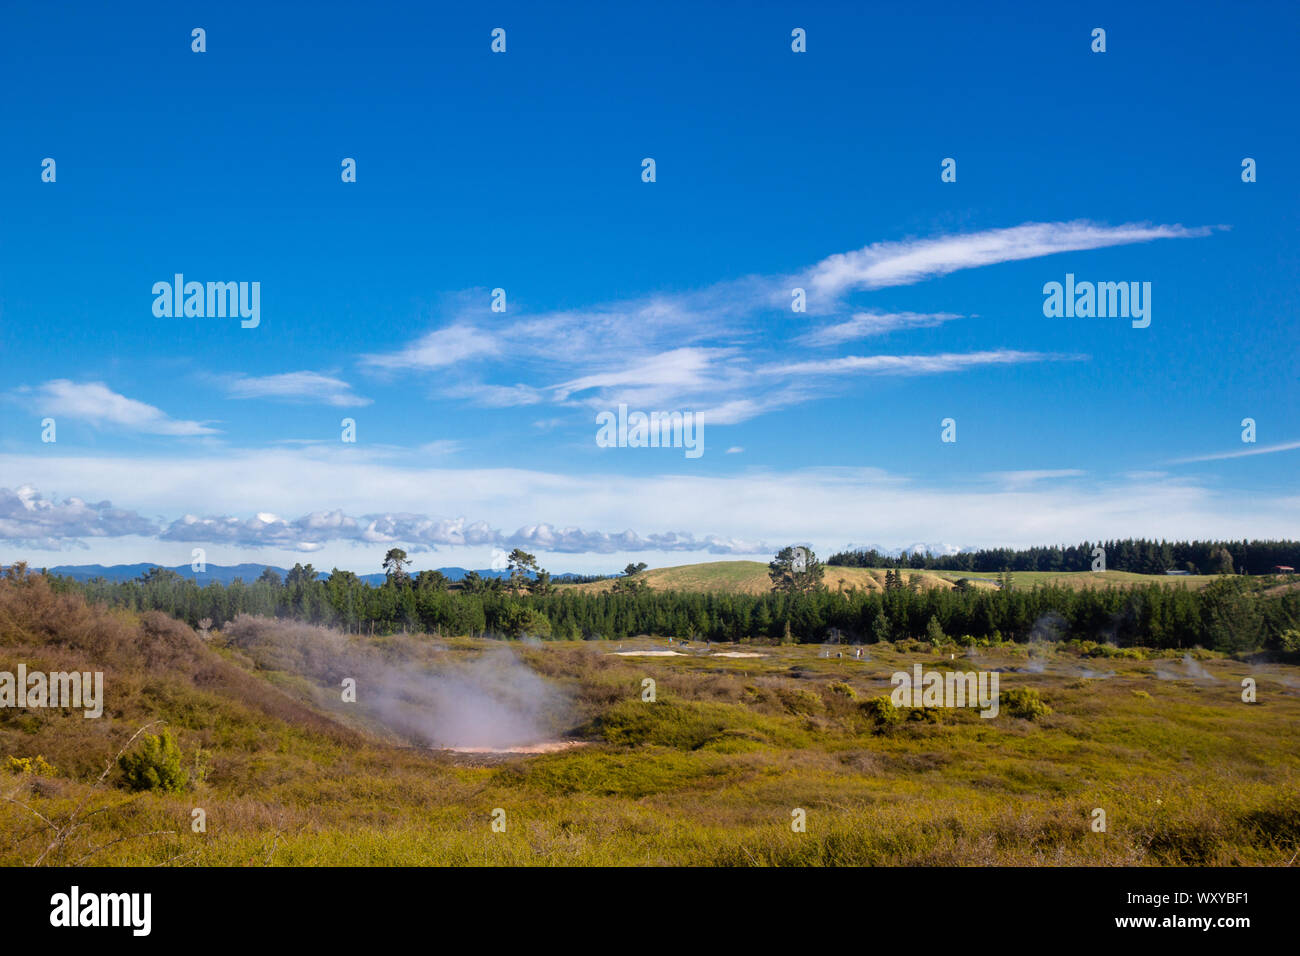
(1229, 614)
(1131, 554)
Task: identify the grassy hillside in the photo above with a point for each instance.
(750, 577)
(708, 773)
(1086, 579)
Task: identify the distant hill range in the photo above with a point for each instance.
(224, 574)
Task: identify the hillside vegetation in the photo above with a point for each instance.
(751, 577)
(287, 772)
(737, 601)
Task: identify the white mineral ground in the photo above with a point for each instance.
(647, 654)
(680, 654)
(545, 747)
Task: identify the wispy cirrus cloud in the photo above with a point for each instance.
(678, 369)
(302, 386)
(700, 378)
(497, 396)
(906, 262)
(914, 364)
(97, 404)
(703, 348)
(867, 324)
(440, 348)
(1027, 477)
(1242, 453)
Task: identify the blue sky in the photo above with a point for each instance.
(774, 169)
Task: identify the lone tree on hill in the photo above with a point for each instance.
(796, 570)
(631, 582)
(395, 562)
(523, 566)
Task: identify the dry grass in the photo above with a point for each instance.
(707, 774)
(750, 577)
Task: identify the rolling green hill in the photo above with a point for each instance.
(750, 577)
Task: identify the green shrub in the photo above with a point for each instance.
(688, 725)
(520, 620)
(928, 715)
(37, 766)
(156, 765)
(934, 633)
(801, 702)
(882, 712)
(1024, 702)
(843, 689)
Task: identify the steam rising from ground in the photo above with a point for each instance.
(1046, 630)
(494, 701)
(1191, 671)
(1089, 674)
(428, 694)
